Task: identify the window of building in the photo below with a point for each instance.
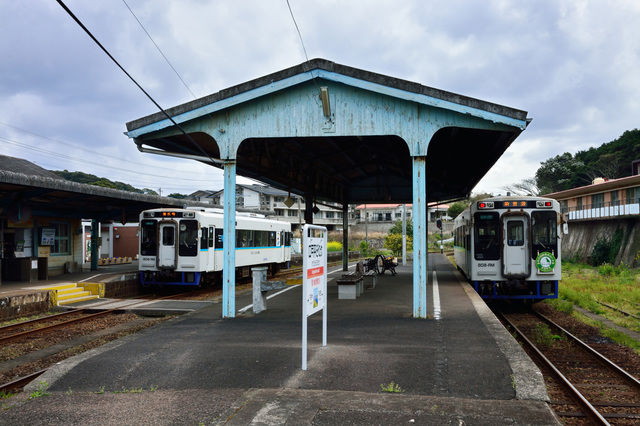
(615, 201)
(598, 200)
(579, 203)
(633, 195)
(293, 213)
(279, 212)
(564, 206)
(62, 241)
(330, 215)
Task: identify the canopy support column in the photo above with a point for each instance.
(94, 244)
(420, 262)
(345, 236)
(229, 241)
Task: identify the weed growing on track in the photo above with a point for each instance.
(6, 395)
(40, 391)
(391, 388)
(543, 336)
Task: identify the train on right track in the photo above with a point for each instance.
(510, 247)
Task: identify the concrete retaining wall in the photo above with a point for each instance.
(583, 236)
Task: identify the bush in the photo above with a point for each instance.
(334, 246)
(600, 252)
(606, 251)
(607, 270)
(393, 242)
(365, 249)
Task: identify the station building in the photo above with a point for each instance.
(43, 230)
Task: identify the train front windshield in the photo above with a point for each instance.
(188, 238)
(148, 246)
(487, 236)
(544, 232)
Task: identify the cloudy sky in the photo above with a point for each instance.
(574, 65)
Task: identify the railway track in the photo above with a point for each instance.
(586, 385)
(27, 338)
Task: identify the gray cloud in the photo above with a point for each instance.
(571, 64)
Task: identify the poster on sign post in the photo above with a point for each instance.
(314, 281)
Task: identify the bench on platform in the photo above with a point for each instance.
(370, 278)
(352, 284)
(349, 286)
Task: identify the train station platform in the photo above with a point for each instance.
(459, 366)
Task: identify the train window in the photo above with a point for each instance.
(272, 239)
(204, 241)
(287, 239)
(211, 236)
(188, 238)
(218, 242)
(487, 236)
(244, 238)
(515, 233)
(148, 245)
(544, 232)
(168, 236)
(257, 238)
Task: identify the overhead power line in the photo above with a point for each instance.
(85, 161)
(86, 30)
(158, 47)
(298, 29)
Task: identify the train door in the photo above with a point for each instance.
(212, 252)
(515, 259)
(167, 246)
(280, 245)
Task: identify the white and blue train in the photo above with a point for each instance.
(184, 246)
(510, 247)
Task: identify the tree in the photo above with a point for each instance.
(559, 173)
(527, 186)
(456, 208)
(394, 243)
(397, 227)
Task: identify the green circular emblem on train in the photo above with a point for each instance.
(545, 261)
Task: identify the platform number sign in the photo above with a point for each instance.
(314, 281)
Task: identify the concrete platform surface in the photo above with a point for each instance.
(459, 366)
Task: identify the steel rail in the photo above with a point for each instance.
(21, 382)
(635, 383)
(62, 314)
(72, 321)
(589, 410)
(37, 320)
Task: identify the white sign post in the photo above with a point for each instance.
(314, 281)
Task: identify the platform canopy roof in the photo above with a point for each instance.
(338, 133)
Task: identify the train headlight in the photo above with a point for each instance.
(485, 204)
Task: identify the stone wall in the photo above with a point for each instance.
(25, 304)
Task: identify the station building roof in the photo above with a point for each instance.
(29, 190)
(357, 144)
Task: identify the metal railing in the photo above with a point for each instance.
(608, 210)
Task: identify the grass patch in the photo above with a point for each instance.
(391, 388)
(589, 287)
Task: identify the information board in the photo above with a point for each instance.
(314, 281)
